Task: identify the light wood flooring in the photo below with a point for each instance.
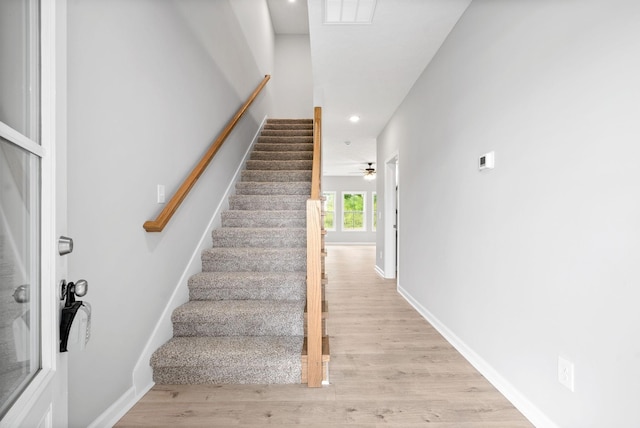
(388, 368)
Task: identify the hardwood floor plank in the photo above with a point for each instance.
(388, 367)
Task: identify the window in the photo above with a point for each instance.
(329, 207)
(353, 211)
(374, 210)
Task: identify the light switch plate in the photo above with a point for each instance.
(487, 161)
(160, 194)
(566, 373)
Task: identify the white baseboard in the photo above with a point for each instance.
(520, 402)
(119, 408)
(142, 376)
(379, 271)
(349, 243)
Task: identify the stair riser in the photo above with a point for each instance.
(247, 293)
(224, 262)
(279, 165)
(285, 140)
(278, 121)
(248, 239)
(265, 222)
(267, 203)
(281, 374)
(288, 126)
(275, 176)
(265, 188)
(244, 327)
(284, 132)
(248, 286)
(289, 155)
(284, 147)
(243, 218)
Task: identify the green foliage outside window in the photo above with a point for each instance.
(353, 211)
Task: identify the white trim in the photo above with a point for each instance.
(374, 210)
(526, 407)
(390, 202)
(142, 376)
(120, 407)
(333, 229)
(20, 140)
(379, 271)
(19, 411)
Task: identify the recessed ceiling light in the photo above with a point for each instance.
(354, 118)
(292, 1)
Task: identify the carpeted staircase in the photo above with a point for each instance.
(244, 322)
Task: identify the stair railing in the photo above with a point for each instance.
(314, 261)
(169, 210)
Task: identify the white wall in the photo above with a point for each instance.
(339, 184)
(292, 77)
(539, 257)
(255, 22)
(151, 84)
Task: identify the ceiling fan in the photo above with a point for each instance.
(370, 172)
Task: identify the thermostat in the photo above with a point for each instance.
(486, 161)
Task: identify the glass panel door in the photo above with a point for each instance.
(19, 270)
(19, 67)
(20, 195)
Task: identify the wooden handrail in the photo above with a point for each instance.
(163, 218)
(314, 261)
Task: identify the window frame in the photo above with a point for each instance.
(374, 214)
(364, 210)
(324, 207)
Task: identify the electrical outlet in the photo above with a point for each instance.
(566, 373)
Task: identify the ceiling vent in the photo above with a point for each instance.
(349, 11)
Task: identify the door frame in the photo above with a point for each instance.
(44, 400)
(391, 247)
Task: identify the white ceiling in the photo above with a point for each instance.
(365, 69)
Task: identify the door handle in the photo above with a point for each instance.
(67, 291)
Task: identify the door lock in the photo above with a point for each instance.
(21, 294)
(65, 245)
(67, 291)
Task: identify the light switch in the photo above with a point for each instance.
(161, 193)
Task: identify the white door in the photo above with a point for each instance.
(33, 372)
